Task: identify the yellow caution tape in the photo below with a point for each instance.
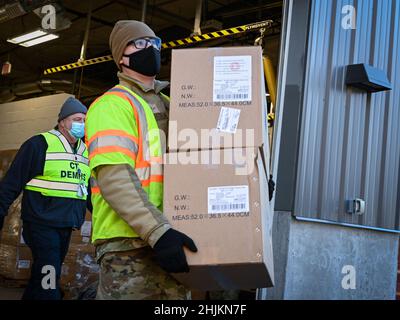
(169, 45)
(217, 34)
(78, 64)
(271, 117)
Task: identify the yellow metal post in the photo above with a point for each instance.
(270, 78)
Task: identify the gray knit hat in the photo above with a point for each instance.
(71, 106)
(124, 32)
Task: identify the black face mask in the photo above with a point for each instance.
(146, 61)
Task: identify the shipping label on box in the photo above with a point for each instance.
(217, 99)
(232, 78)
(228, 199)
(228, 120)
(24, 264)
(221, 202)
(86, 229)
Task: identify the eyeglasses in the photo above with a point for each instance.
(142, 43)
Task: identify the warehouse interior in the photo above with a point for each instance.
(329, 143)
(171, 20)
(83, 29)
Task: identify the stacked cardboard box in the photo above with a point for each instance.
(15, 256)
(216, 171)
(80, 269)
(217, 99)
(15, 262)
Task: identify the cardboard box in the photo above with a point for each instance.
(15, 262)
(8, 258)
(217, 99)
(24, 262)
(79, 270)
(11, 234)
(6, 158)
(220, 200)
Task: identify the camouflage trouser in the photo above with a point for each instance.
(134, 275)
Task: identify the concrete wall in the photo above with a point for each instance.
(22, 119)
(309, 258)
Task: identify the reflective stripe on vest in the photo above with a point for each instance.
(148, 167)
(67, 156)
(145, 153)
(139, 149)
(52, 185)
(65, 143)
(64, 171)
(94, 185)
(109, 140)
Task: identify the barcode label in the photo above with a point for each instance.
(228, 199)
(232, 78)
(241, 206)
(24, 264)
(232, 97)
(86, 229)
(228, 120)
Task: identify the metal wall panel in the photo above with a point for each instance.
(289, 100)
(350, 140)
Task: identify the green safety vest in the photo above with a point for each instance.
(121, 129)
(65, 171)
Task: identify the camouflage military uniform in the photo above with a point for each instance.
(134, 275)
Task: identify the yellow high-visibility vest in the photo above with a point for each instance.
(121, 129)
(65, 172)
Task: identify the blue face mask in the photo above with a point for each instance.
(77, 130)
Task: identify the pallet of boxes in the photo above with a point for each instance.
(79, 274)
(15, 256)
(216, 169)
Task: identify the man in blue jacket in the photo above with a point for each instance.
(52, 171)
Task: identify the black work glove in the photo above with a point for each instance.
(271, 187)
(169, 251)
(1, 222)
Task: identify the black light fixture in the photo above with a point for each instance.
(367, 78)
